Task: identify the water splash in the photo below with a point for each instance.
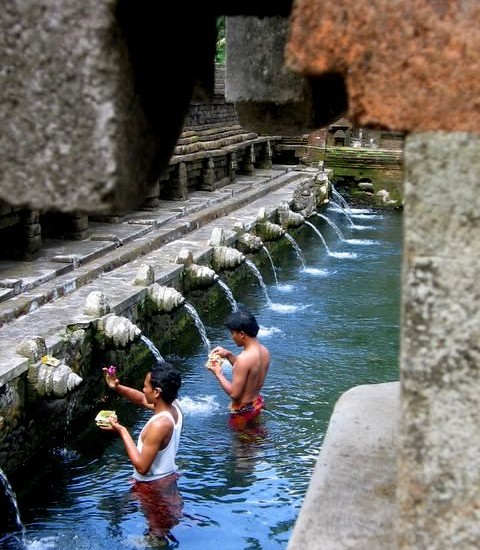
(198, 323)
(370, 216)
(201, 405)
(333, 225)
(329, 252)
(366, 242)
(228, 293)
(287, 308)
(343, 254)
(286, 287)
(265, 249)
(317, 271)
(361, 211)
(12, 503)
(258, 275)
(265, 332)
(151, 346)
(298, 250)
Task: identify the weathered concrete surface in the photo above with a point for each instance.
(350, 502)
(74, 136)
(439, 466)
(407, 66)
(269, 97)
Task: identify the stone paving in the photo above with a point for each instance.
(42, 297)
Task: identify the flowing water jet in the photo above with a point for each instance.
(329, 252)
(229, 295)
(265, 249)
(297, 249)
(11, 521)
(151, 346)
(341, 200)
(322, 238)
(258, 275)
(166, 299)
(199, 324)
(333, 225)
(341, 209)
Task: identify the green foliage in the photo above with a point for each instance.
(220, 54)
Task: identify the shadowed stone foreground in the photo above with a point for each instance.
(358, 459)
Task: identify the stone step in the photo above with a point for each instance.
(59, 302)
(72, 265)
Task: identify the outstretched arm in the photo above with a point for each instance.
(135, 396)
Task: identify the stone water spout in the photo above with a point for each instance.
(195, 276)
(120, 330)
(288, 218)
(267, 230)
(165, 298)
(53, 380)
(50, 377)
(247, 242)
(224, 257)
(322, 188)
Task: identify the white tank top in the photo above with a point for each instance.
(164, 463)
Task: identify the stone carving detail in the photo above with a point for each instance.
(247, 242)
(322, 188)
(165, 298)
(145, 275)
(288, 218)
(201, 275)
(53, 381)
(267, 230)
(217, 238)
(96, 304)
(118, 329)
(33, 348)
(226, 257)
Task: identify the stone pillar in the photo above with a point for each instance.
(182, 189)
(31, 229)
(76, 226)
(247, 163)
(265, 157)
(208, 175)
(439, 451)
(232, 166)
(152, 194)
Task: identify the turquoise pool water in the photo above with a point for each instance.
(329, 326)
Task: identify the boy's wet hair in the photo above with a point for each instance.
(243, 321)
(166, 377)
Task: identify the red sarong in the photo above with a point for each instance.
(161, 503)
(242, 414)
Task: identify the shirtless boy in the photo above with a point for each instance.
(250, 368)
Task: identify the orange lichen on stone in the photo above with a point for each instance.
(407, 65)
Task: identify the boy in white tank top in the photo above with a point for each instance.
(153, 457)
